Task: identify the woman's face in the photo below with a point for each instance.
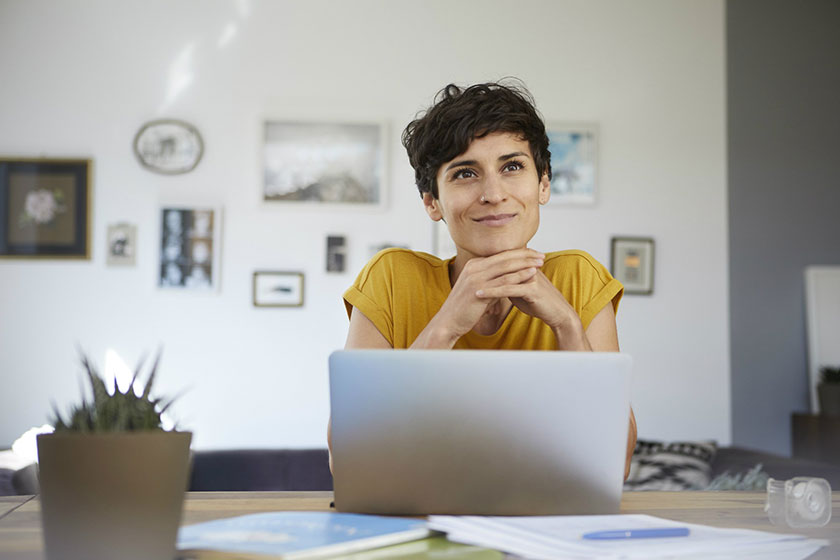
(489, 196)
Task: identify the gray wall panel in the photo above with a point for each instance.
(783, 92)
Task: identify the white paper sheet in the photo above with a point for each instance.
(562, 537)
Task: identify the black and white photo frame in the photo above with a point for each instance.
(190, 248)
(336, 253)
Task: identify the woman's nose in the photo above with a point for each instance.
(493, 191)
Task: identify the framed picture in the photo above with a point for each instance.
(336, 253)
(168, 146)
(278, 289)
(121, 245)
(631, 263)
(574, 163)
(323, 163)
(190, 243)
(45, 208)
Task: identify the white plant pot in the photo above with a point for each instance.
(114, 495)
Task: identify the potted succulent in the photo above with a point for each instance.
(112, 480)
(828, 391)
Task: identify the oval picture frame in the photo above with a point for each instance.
(168, 146)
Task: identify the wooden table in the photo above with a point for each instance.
(20, 522)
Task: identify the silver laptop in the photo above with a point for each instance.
(418, 432)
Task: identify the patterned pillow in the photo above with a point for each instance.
(679, 465)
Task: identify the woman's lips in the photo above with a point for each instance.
(495, 220)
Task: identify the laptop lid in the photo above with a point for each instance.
(482, 432)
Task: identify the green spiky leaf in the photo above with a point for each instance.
(123, 411)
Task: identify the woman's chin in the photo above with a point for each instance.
(488, 250)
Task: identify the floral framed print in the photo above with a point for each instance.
(631, 263)
(190, 248)
(45, 208)
(323, 163)
(574, 163)
(278, 289)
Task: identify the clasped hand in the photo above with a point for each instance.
(515, 274)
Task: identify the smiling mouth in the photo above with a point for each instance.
(495, 219)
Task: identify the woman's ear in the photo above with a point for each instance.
(545, 188)
(432, 206)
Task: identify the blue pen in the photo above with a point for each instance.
(637, 534)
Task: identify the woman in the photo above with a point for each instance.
(482, 165)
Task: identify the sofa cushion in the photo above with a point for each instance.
(679, 465)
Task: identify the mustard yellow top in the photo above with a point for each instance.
(401, 290)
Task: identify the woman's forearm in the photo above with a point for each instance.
(436, 336)
(571, 336)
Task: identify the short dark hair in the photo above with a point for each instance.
(460, 115)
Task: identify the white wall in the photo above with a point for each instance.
(80, 77)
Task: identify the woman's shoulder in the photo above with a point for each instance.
(400, 261)
(571, 255)
(576, 261)
(403, 256)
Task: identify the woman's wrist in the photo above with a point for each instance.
(570, 334)
(436, 336)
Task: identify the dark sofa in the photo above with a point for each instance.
(308, 469)
(261, 469)
(736, 460)
(225, 470)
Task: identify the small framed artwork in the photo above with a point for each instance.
(323, 163)
(190, 248)
(45, 208)
(122, 245)
(278, 289)
(574, 163)
(168, 146)
(336, 253)
(631, 263)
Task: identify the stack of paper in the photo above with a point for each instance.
(562, 537)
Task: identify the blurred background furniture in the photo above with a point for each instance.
(261, 469)
(816, 437)
(308, 469)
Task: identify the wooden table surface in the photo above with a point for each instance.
(20, 522)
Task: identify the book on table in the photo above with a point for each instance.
(296, 535)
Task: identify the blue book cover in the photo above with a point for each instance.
(296, 535)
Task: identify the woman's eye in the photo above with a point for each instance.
(463, 174)
(513, 166)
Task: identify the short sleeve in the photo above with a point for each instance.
(372, 293)
(610, 292)
(585, 283)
